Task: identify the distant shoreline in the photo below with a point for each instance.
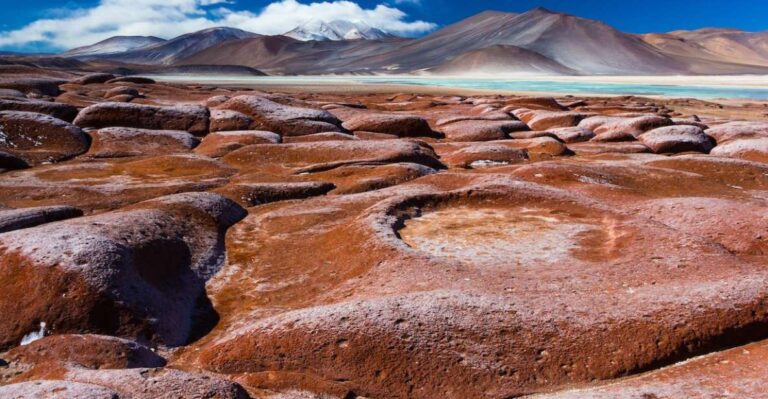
(645, 86)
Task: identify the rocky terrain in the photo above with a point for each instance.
(186, 241)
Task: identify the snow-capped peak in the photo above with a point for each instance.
(335, 30)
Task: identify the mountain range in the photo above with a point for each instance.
(169, 52)
(538, 41)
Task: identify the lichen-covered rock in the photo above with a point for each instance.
(500, 151)
(253, 194)
(751, 149)
(545, 103)
(191, 118)
(115, 142)
(325, 155)
(219, 144)
(544, 120)
(283, 119)
(495, 258)
(614, 128)
(89, 351)
(478, 130)
(15, 219)
(98, 185)
(228, 120)
(738, 130)
(38, 138)
(674, 139)
(56, 389)
(485, 155)
(61, 111)
(572, 134)
(36, 86)
(165, 383)
(71, 382)
(396, 124)
(137, 272)
(215, 101)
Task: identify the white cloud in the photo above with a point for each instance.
(170, 18)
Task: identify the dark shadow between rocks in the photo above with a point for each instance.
(729, 338)
(204, 318)
(162, 263)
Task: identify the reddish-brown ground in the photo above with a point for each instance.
(444, 250)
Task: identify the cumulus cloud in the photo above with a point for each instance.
(170, 18)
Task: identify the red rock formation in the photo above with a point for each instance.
(511, 253)
(115, 142)
(193, 119)
(283, 119)
(128, 267)
(38, 138)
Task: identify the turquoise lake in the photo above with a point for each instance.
(541, 85)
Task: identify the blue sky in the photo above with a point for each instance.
(49, 25)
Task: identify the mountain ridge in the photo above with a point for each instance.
(544, 42)
(167, 52)
(113, 45)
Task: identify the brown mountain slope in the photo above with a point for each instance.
(722, 45)
(580, 44)
(284, 55)
(501, 59)
(169, 52)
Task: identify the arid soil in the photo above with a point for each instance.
(185, 241)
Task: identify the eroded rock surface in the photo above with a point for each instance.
(221, 143)
(673, 139)
(282, 119)
(89, 351)
(64, 112)
(193, 119)
(227, 120)
(615, 128)
(394, 124)
(15, 219)
(130, 267)
(479, 130)
(81, 383)
(38, 138)
(753, 149)
(486, 256)
(115, 142)
(428, 247)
